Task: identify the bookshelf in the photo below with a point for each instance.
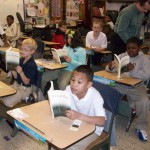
(94, 8)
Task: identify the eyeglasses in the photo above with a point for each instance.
(24, 50)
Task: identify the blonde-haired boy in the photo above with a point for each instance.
(25, 74)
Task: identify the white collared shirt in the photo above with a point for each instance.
(100, 42)
(91, 105)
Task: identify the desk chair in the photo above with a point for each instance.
(111, 100)
(23, 29)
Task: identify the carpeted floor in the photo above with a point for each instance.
(125, 140)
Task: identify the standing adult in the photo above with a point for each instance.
(128, 24)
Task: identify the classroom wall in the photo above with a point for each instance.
(113, 6)
(10, 7)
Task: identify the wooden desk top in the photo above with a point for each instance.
(55, 130)
(50, 43)
(113, 76)
(3, 49)
(49, 65)
(6, 90)
(103, 52)
(45, 42)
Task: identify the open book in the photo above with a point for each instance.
(59, 54)
(120, 63)
(12, 59)
(59, 102)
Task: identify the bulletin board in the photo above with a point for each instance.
(10, 7)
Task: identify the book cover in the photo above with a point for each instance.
(12, 59)
(121, 63)
(59, 54)
(59, 102)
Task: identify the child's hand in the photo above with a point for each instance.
(130, 66)
(72, 114)
(67, 59)
(19, 69)
(112, 65)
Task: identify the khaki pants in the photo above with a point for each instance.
(21, 94)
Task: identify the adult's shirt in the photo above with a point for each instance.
(129, 22)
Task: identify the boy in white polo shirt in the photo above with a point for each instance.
(96, 40)
(86, 103)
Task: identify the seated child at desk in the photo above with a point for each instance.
(59, 35)
(25, 74)
(86, 103)
(76, 56)
(96, 41)
(12, 31)
(137, 96)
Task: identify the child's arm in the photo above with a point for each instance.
(97, 120)
(22, 75)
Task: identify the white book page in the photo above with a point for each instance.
(124, 61)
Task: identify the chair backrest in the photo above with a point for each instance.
(111, 96)
(21, 22)
(111, 100)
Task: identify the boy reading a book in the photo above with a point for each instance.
(86, 103)
(138, 67)
(25, 74)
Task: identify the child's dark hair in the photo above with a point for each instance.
(135, 40)
(86, 70)
(11, 17)
(110, 16)
(76, 39)
(62, 23)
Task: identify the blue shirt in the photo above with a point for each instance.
(77, 55)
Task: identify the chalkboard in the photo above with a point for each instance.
(10, 7)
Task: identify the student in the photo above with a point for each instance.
(97, 41)
(5, 42)
(25, 74)
(137, 97)
(128, 24)
(76, 56)
(108, 20)
(86, 103)
(59, 35)
(12, 31)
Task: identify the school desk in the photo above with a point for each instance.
(90, 52)
(45, 42)
(6, 90)
(113, 76)
(49, 64)
(55, 130)
(3, 50)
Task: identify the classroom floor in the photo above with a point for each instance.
(125, 140)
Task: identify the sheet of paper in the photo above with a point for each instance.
(75, 125)
(18, 114)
